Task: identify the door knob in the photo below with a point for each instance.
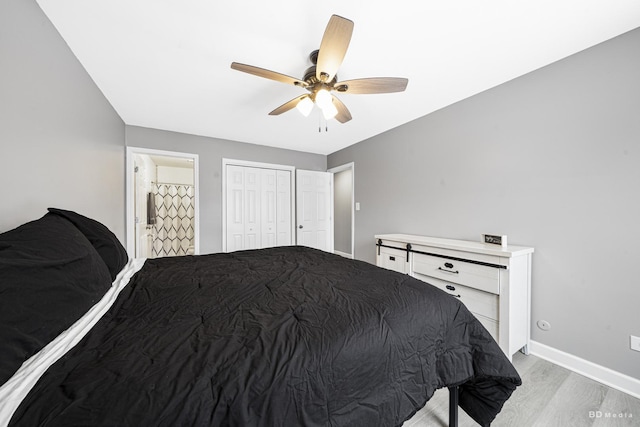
(300, 226)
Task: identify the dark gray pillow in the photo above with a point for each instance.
(50, 275)
(105, 242)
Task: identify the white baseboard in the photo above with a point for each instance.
(344, 254)
(606, 376)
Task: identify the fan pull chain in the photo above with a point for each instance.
(326, 123)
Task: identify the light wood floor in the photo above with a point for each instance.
(550, 396)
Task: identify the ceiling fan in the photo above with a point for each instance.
(321, 79)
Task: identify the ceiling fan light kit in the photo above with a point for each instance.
(325, 102)
(305, 105)
(321, 78)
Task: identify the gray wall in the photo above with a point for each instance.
(210, 153)
(551, 159)
(61, 142)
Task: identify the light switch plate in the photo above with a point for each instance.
(635, 343)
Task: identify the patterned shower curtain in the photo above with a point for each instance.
(175, 212)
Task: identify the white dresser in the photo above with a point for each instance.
(494, 282)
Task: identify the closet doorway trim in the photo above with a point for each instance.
(260, 165)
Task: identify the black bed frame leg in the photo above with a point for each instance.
(453, 406)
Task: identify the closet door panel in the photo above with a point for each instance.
(283, 208)
(268, 207)
(252, 229)
(258, 208)
(235, 208)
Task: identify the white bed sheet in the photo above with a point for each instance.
(16, 388)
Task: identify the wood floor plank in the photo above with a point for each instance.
(539, 384)
(436, 413)
(523, 362)
(572, 403)
(619, 410)
(540, 381)
(549, 396)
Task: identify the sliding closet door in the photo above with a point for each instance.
(252, 226)
(268, 211)
(235, 207)
(258, 207)
(283, 197)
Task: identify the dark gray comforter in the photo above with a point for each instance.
(274, 337)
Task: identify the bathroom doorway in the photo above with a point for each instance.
(162, 203)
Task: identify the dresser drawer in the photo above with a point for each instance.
(482, 277)
(494, 282)
(478, 302)
(393, 259)
(490, 325)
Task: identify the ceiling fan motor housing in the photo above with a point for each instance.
(310, 73)
(311, 79)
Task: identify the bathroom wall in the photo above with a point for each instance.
(175, 175)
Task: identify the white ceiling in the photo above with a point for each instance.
(166, 64)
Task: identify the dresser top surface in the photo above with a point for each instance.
(459, 245)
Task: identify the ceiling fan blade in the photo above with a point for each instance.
(287, 105)
(333, 48)
(268, 74)
(372, 85)
(343, 115)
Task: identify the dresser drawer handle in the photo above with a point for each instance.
(392, 258)
(448, 271)
(448, 265)
(452, 288)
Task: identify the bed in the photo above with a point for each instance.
(271, 337)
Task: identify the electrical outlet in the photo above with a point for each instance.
(544, 325)
(634, 342)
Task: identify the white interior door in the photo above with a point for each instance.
(314, 198)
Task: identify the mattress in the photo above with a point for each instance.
(270, 337)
